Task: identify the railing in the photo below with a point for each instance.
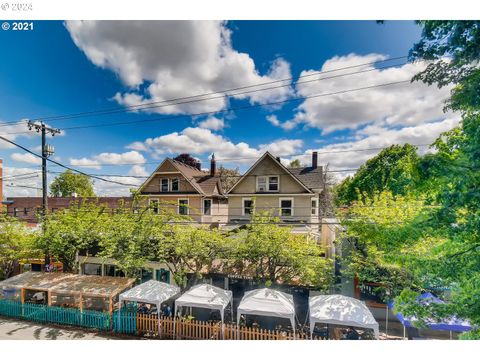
(55, 315)
(130, 322)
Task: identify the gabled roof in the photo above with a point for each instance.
(287, 170)
(310, 176)
(200, 180)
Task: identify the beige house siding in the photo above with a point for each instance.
(154, 185)
(288, 185)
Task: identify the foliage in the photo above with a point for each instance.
(272, 254)
(68, 231)
(68, 183)
(189, 249)
(393, 169)
(228, 177)
(15, 244)
(295, 163)
(187, 159)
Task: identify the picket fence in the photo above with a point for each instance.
(132, 323)
(55, 315)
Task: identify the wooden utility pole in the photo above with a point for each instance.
(47, 150)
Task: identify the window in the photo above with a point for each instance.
(15, 211)
(154, 206)
(207, 206)
(286, 206)
(314, 206)
(273, 183)
(262, 183)
(164, 185)
(163, 276)
(267, 183)
(183, 206)
(92, 269)
(175, 183)
(25, 211)
(247, 206)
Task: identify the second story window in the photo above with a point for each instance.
(286, 207)
(183, 206)
(247, 206)
(175, 184)
(267, 183)
(164, 185)
(207, 206)
(314, 206)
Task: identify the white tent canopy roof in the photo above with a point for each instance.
(267, 302)
(205, 296)
(151, 292)
(341, 310)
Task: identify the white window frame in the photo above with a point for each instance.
(267, 183)
(280, 206)
(171, 185)
(203, 206)
(158, 205)
(314, 209)
(187, 207)
(161, 184)
(243, 205)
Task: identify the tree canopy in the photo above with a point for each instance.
(69, 183)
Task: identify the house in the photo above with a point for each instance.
(292, 194)
(187, 190)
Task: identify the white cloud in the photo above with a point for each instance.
(376, 137)
(23, 183)
(203, 141)
(26, 158)
(96, 161)
(286, 125)
(403, 104)
(212, 123)
(175, 59)
(138, 170)
(103, 188)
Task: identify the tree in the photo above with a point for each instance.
(68, 183)
(187, 159)
(394, 169)
(188, 249)
(67, 231)
(228, 177)
(295, 163)
(271, 254)
(15, 244)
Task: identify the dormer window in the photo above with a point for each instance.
(267, 183)
(164, 185)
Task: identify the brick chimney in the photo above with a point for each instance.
(213, 166)
(278, 159)
(314, 159)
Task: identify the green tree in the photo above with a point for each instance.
(68, 183)
(394, 169)
(228, 177)
(271, 254)
(15, 244)
(295, 163)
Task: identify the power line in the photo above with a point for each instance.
(64, 166)
(225, 110)
(153, 104)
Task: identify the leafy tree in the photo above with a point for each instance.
(187, 159)
(68, 183)
(67, 231)
(228, 177)
(188, 249)
(394, 169)
(295, 163)
(272, 254)
(15, 244)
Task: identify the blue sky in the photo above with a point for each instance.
(61, 68)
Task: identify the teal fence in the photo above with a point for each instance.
(124, 321)
(55, 315)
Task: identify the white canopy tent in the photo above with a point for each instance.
(267, 302)
(205, 296)
(150, 292)
(341, 310)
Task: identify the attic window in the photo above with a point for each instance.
(267, 183)
(175, 183)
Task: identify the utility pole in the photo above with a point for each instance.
(47, 150)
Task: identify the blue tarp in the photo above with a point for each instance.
(451, 324)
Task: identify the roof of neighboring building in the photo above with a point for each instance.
(199, 179)
(309, 176)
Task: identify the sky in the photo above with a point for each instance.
(336, 87)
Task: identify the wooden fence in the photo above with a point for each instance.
(151, 325)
